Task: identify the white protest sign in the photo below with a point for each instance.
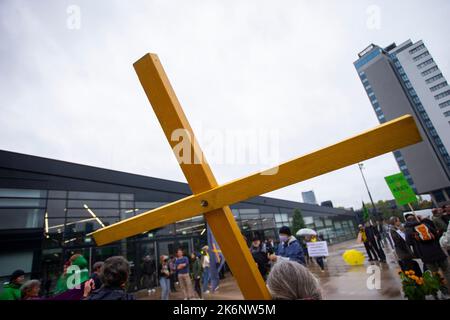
(317, 249)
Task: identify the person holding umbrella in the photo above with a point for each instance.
(304, 234)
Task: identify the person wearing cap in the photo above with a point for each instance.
(289, 248)
(11, 290)
(259, 253)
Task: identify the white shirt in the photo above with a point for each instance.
(401, 233)
(205, 261)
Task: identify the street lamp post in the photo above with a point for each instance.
(374, 209)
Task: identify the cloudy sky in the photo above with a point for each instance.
(282, 69)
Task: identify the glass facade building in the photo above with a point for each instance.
(48, 208)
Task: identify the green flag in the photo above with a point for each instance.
(400, 188)
(365, 213)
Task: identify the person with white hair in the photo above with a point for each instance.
(289, 280)
(30, 290)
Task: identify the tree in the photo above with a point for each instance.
(297, 221)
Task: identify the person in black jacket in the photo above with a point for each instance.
(114, 276)
(423, 237)
(372, 238)
(259, 253)
(402, 249)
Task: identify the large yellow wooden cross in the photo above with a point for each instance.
(212, 200)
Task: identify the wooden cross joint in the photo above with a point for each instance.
(213, 200)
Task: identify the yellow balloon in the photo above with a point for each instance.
(353, 257)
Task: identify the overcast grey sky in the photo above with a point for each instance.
(68, 89)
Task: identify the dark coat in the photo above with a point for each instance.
(292, 250)
(402, 249)
(371, 234)
(97, 280)
(429, 251)
(106, 293)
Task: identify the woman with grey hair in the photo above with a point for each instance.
(290, 280)
(30, 290)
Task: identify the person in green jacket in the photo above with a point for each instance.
(11, 290)
(196, 273)
(61, 284)
(68, 276)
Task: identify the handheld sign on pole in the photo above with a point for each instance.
(317, 249)
(400, 188)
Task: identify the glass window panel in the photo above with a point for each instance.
(21, 218)
(22, 193)
(57, 194)
(318, 222)
(267, 221)
(56, 225)
(337, 225)
(308, 220)
(278, 217)
(328, 222)
(189, 228)
(84, 225)
(15, 202)
(127, 196)
(249, 211)
(284, 217)
(165, 231)
(93, 195)
(148, 205)
(56, 208)
(92, 204)
(127, 213)
(127, 204)
(97, 212)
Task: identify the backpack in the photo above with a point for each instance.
(423, 233)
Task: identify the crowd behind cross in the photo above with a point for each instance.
(283, 265)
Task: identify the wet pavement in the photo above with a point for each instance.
(339, 281)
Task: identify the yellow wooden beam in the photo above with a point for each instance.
(200, 177)
(387, 137)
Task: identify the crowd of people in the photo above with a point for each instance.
(282, 264)
(424, 238)
(419, 237)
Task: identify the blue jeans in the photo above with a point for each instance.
(165, 288)
(205, 278)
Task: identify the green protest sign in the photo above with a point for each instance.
(400, 188)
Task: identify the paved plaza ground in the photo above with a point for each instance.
(338, 282)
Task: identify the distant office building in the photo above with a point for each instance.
(309, 197)
(327, 203)
(405, 79)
